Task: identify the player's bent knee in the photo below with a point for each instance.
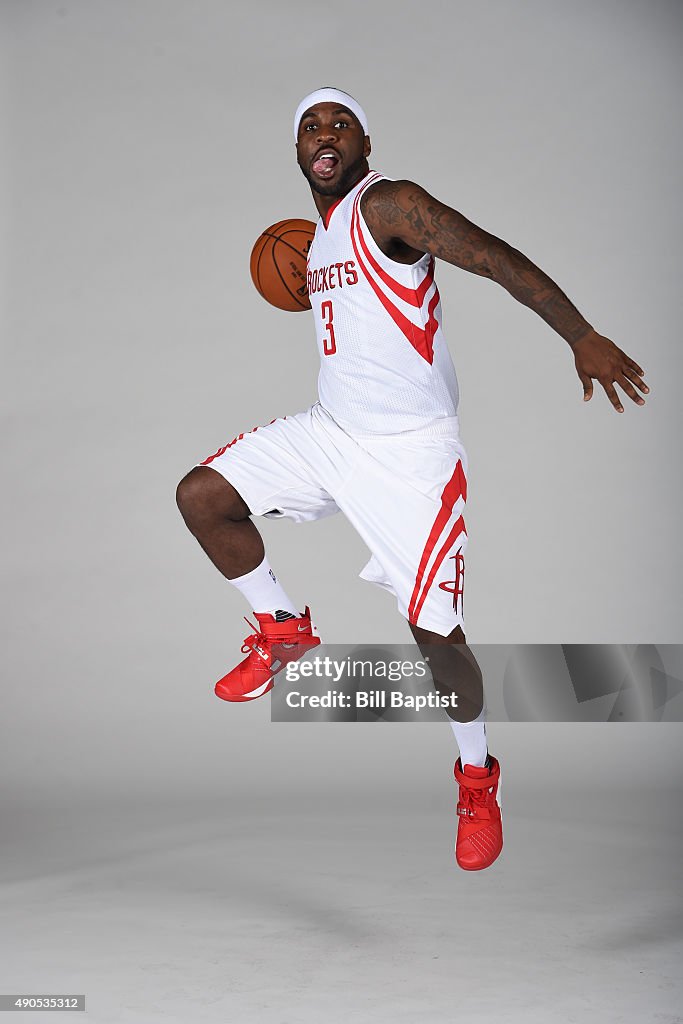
(204, 495)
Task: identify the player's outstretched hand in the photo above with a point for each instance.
(596, 356)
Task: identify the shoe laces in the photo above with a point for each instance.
(256, 644)
(475, 803)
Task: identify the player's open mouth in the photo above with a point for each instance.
(325, 163)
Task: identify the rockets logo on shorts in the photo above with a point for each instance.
(456, 586)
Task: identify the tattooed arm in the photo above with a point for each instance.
(406, 222)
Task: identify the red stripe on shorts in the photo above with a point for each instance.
(458, 528)
(223, 450)
(454, 489)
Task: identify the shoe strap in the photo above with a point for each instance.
(491, 779)
(288, 630)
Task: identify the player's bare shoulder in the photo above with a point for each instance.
(387, 208)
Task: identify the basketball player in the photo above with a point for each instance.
(382, 444)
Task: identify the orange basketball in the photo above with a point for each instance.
(278, 264)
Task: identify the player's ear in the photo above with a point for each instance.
(367, 148)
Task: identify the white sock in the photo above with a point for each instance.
(471, 740)
(263, 592)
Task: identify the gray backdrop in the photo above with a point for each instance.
(146, 145)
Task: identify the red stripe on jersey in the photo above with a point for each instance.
(328, 215)
(432, 323)
(454, 489)
(422, 339)
(326, 218)
(426, 283)
(415, 296)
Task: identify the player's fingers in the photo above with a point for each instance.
(632, 375)
(587, 387)
(634, 365)
(611, 393)
(624, 383)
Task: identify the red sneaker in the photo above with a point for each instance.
(480, 830)
(270, 648)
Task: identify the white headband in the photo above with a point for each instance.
(329, 96)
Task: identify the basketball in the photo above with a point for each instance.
(278, 264)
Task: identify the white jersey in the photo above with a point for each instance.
(384, 363)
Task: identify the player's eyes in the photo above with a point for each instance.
(312, 125)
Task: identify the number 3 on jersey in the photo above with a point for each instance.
(329, 344)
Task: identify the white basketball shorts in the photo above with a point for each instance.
(404, 494)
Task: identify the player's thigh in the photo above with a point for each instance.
(276, 469)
